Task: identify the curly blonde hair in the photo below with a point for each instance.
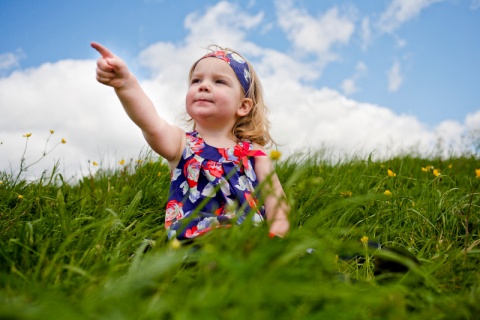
(255, 126)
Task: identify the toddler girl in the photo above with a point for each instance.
(219, 169)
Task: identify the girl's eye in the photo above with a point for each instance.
(194, 81)
(221, 81)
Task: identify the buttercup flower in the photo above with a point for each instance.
(95, 163)
(477, 173)
(20, 197)
(27, 135)
(391, 173)
(427, 168)
(436, 172)
(364, 239)
(121, 162)
(275, 155)
(175, 244)
(52, 131)
(64, 141)
(387, 193)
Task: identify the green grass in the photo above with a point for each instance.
(97, 249)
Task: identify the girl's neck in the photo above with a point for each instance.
(219, 138)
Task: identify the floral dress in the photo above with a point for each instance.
(212, 187)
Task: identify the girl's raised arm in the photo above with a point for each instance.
(165, 139)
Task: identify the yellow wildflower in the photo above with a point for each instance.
(95, 163)
(64, 141)
(346, 194)
(52, 131)
(175, 244)
(477, 172)
(1, 182)
(139, 161)
(159, 174)
(27, 135)
(427, 168)
(391, 173)
(387, 193)
(275, 155)
(364, 239)
(121, 162)
(20, 197)
(450, 166)
(436, 172)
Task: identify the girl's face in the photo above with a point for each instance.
(215, 95)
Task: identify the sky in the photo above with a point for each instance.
(379, 77)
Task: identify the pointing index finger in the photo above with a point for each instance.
(104, 52)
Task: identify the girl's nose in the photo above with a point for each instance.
(204, 86)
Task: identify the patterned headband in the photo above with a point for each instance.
(238, 64)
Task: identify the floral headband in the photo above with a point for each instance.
(238, 64)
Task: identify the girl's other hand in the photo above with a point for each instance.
(279, 227)
(111, 70)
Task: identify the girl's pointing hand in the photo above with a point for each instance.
(111, 70)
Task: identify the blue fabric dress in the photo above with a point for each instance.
(212, 187)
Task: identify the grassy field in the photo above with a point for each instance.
(396, 239)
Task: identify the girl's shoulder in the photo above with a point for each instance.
(256, 146)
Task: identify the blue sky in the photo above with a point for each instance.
(439, 61)
(406, 64)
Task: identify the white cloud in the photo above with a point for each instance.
(400, 11)
(399, 42)
(395, 78)
(472, 134)
(475, 4)
(315, 35)
(65, 97)
(349, 85)
(323, 117)
(229, 15)
(10, 60)
(472, 121)
(365, 33)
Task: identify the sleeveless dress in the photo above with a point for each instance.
(212, 187)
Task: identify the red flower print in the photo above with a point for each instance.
(190, 233)
(223, 153)
(252, 202)
(219, 211)
(193, 232)
(196, 144)
(191, 170)
(174, 212)
(220, 54)
(214, 168)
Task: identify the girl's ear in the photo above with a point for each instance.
(245, 107)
